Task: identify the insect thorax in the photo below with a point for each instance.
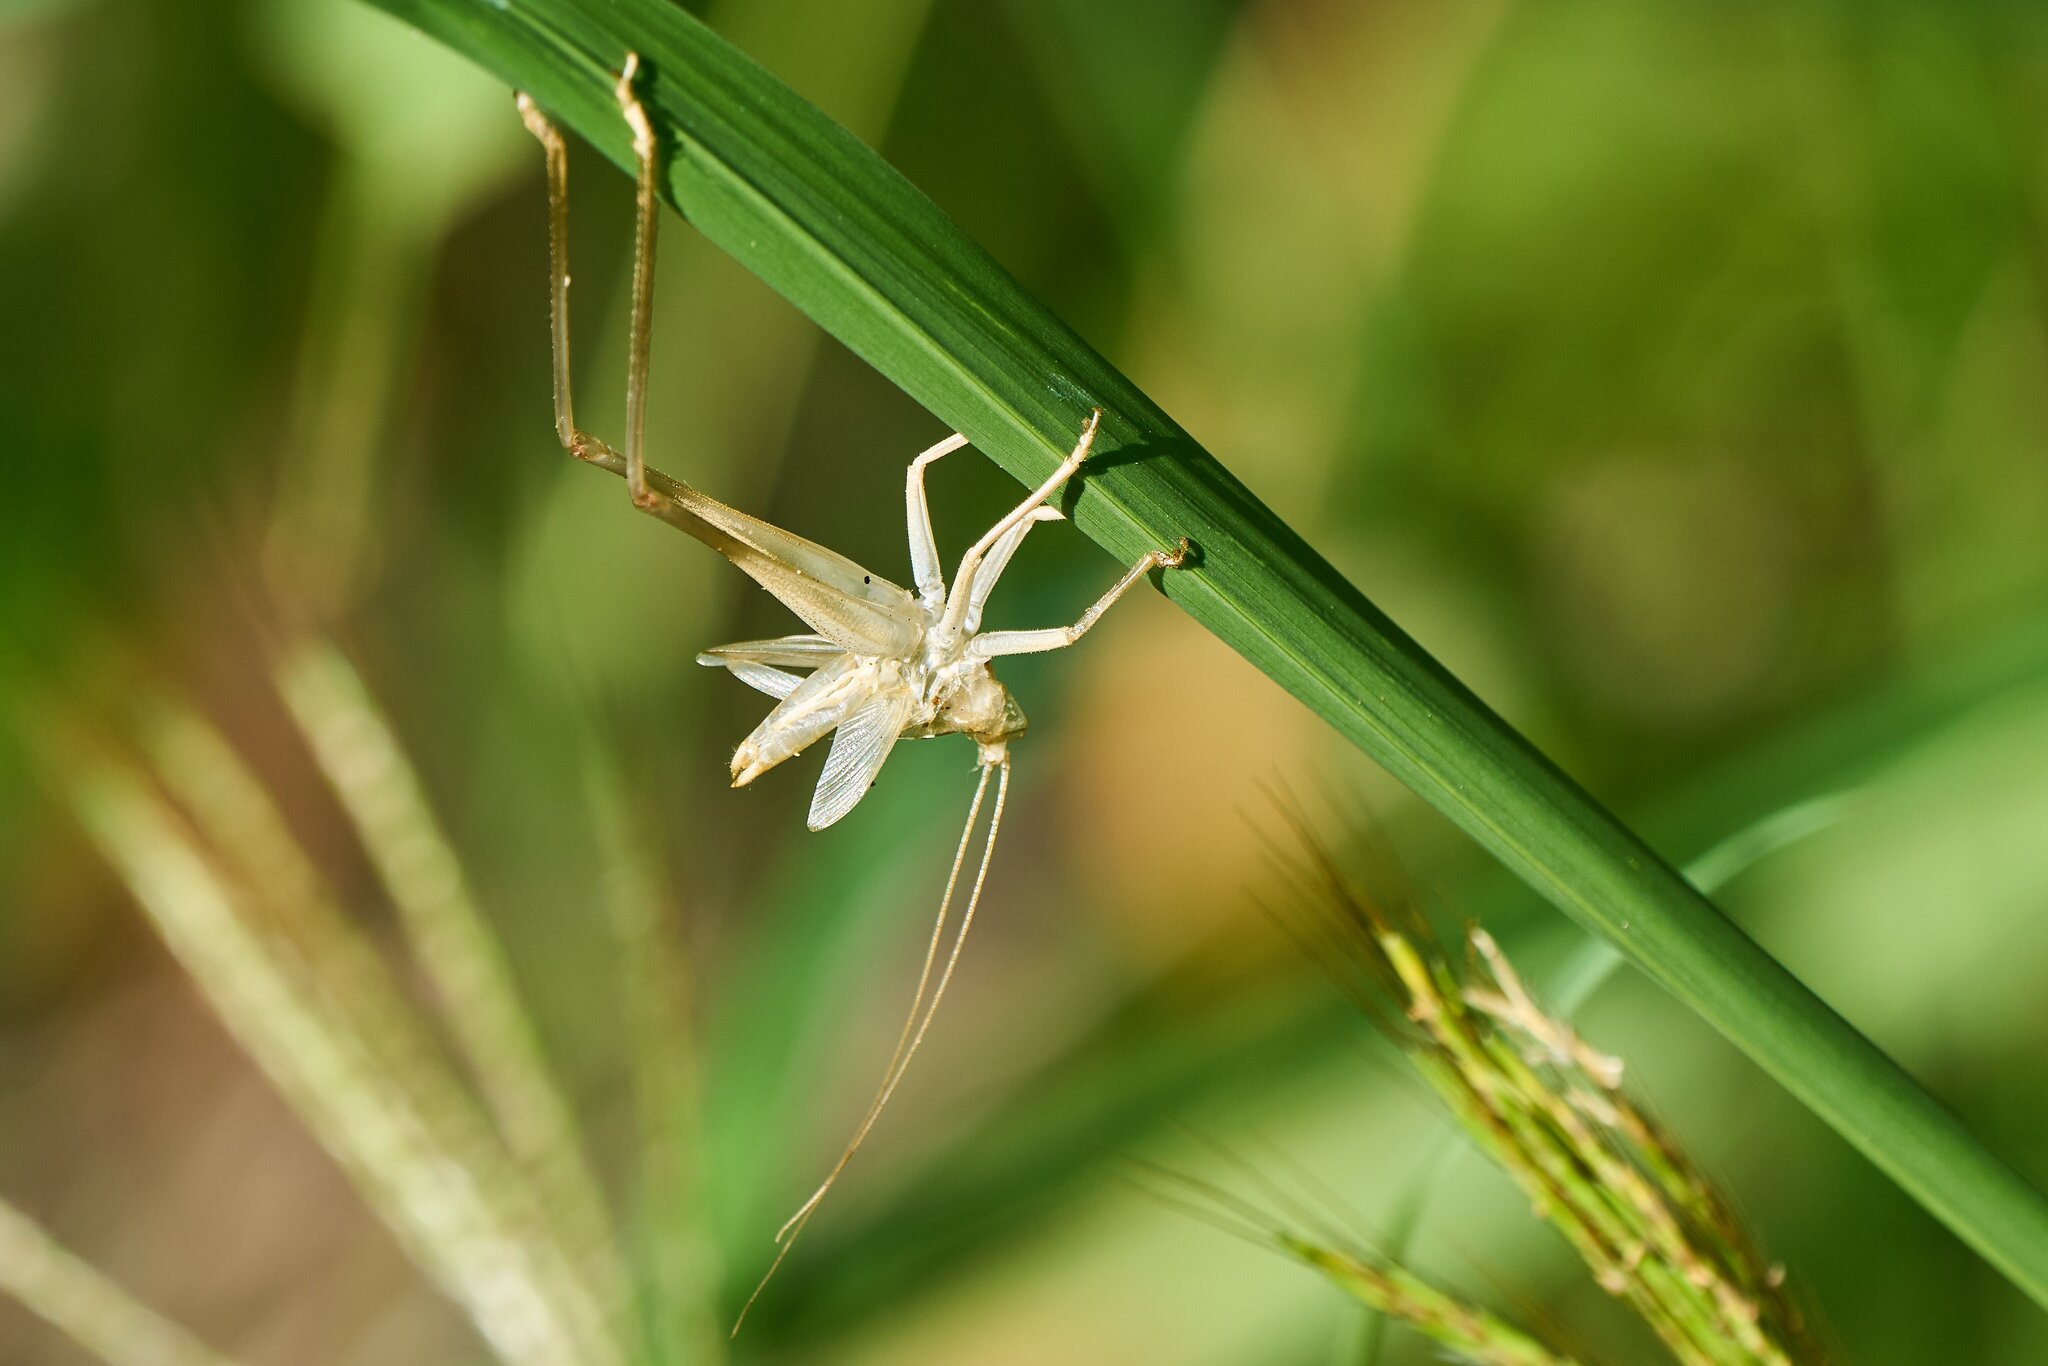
(967, 699)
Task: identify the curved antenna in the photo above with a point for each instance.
(921, 1011)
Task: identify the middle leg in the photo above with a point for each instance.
(963, 578)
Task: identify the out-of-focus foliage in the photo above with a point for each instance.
(1675, 374)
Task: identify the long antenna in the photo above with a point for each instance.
(921, 1011)
(912, 1031)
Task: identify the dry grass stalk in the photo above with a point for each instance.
(77, 1299)
(453, 943)
(277, 964)
(333, 959)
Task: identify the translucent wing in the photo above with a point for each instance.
(784, 652)
(858, 752)
(762, 678)
(858, 610)
(760, 663)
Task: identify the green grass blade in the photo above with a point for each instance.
(827, 223)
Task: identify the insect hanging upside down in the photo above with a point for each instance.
(880, 662)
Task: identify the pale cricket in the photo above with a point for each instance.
(883, 663)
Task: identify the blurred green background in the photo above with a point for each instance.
(1678, 374)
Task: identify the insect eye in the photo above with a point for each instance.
(867, 578)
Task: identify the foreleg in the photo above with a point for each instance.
(995, 644)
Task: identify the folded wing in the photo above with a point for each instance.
(760, 664)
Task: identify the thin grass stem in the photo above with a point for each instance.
(519, 1296)
(363, 760)
(79, 1300)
